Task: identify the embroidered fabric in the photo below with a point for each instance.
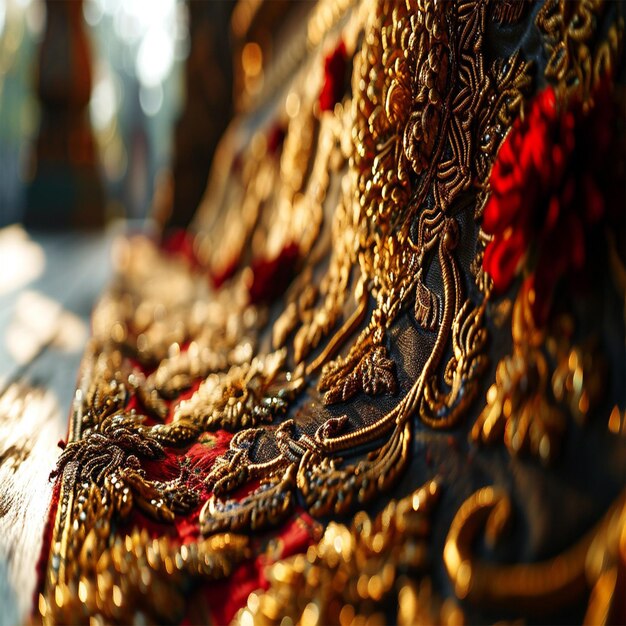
(398, 324)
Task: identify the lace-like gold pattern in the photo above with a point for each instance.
(403, 171)
(379, 195)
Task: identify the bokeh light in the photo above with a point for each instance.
(138, 51)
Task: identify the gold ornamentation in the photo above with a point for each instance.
(406, 160)
(137, 576)
(578, 58)
(268, 505)
(605, 568)
(509, 11)
(369, 572)
(374, 374)
(111, 455)
(328, 486)
(462, 373)
(241, 397)
(527, 404)
(402, 179)
(534, 588)
(95, 572)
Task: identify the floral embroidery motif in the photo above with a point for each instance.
(430, 154)
(549, 186)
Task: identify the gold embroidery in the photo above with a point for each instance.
(92, 570)
(509, 11)
(355, 571)
(407, 158)
(577, 59)
(267, 506)
(241, 397)
(373, 374)
(462, 372)
(526, 405)
(537, 588)
(394, 260)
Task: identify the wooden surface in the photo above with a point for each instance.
(48, 286)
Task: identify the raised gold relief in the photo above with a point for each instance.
(372, 571)
(578, 59)
(381, 196)
(528, 404)
(395, 262)
(538, 588)
(241, 397)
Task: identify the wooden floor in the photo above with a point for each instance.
(48, 286)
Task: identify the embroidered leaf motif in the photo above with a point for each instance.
(426, 307)
(117, 444)
(374, 374)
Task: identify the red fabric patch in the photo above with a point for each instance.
(180, 243)
(335, 66)
(275, 138)
(224, 598)
(226, 272)
(271, 277)
(42, 563)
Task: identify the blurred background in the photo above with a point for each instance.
(110, 112)
(113, 108)
(121, 67)
(90, 92)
